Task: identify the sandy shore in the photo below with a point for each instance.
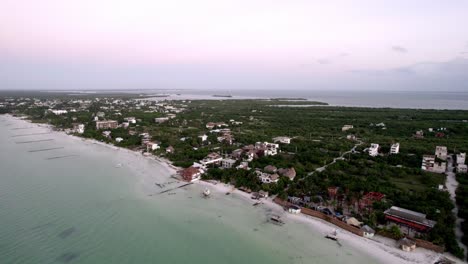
(382, 249)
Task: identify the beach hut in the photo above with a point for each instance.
(367, 231)
(406, 244)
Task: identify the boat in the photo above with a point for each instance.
(206, 192)
(333, 236)
(257, 203)
(275, 219)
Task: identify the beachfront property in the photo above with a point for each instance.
(283, 140)
(441, 152)
(78, 128)
(347, 127)
(461, 158)
(374, 150)
(367, 231)
(294, 209)
(412, 220)
(266, 177)
(211, 159)
(227, 163)
(191, 173)
(430, 164)
(151, 146)
(406, 244)
(109, 124)
(395, 148)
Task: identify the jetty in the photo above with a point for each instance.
(19, 128)
(175, 188)
(32, 134)
(61, 157)
(34, 141)
(45, 149)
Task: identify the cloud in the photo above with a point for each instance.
(399, 49)
(323, 61)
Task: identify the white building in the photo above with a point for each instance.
(150, 146)
(58, 112)
(203, 138)
(367, 231)
(119, 139)
(212, 158)
(374, 150)
(429, 164)
(441, 152)
(347, 127)
(227, 163)
(160, 120)
(395, 148)
(79, 128)
(130, 120)
(284, 140)
(462, 168)
(294, 209)
(461, 158)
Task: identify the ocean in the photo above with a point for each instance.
(81, 202)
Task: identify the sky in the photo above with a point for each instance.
(234, 44)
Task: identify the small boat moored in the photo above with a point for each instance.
(275, 219)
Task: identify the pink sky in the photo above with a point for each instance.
(302, 37)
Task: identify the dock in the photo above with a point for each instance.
(45, 149)
(34, 141)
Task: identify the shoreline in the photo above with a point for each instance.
(381, 249)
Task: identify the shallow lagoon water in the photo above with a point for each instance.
(82, 208)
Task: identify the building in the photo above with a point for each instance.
(429, 164)
(191, 174)
(367, 231)
(411, 219)
(119, 139)
(347, 127)
(78, 128)
(270, 169)
(462, 168)
(170, 149)
(203, 137)
(284, 140)
(160, 120)
(441, 152)
(58, 112)
(227, 163)
(106, 133)
(406, 244)
(374, 150)
(370, 198)
(461, 158)
(294, 209)
(351, 137)
(267, 149)
(130, 120)
(419, 134)
(150, 146)
(109, 124)
(395, 148)
(288, 172)
(211, 159)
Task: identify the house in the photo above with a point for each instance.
(227, 163)
(170, 149)
(150, 146)
(78, 128)
(441, 152)
(160, 120)
(191, 174)
(411, 219)
(130, 120)
(237, 154)
(288, 172)
(461, 158)
(347, 127)
(395, 148)
(211, 159)
(263, 194)
(351, 137)
(419, 134)
(270, 169)
(284, 140)
(462, 168)
(119, 139)
(266, 149)
(267, 178)
(109, 124)
(374, 150)
(367, 231)
(406, 244)
(58, 112)
(294, 209)
(106, 133)
(203, 137)
(125, 124)
(243, 165)
(429, 164)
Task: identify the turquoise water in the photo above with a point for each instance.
(84, 209)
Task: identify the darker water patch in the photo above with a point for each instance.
(43, 226)
(67, 257)
(67, 232)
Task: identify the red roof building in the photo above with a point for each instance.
(369, 198)
(411, 219)
(191, 173)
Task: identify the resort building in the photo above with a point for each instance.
(411, 219)
(109, 124)
(227, 163)
(347, 127)
(395, 148)
(441, 152)
(191, 174)
(284, 140)
(429, 164)
(78, 128)
(374, 150)
(461, 158)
